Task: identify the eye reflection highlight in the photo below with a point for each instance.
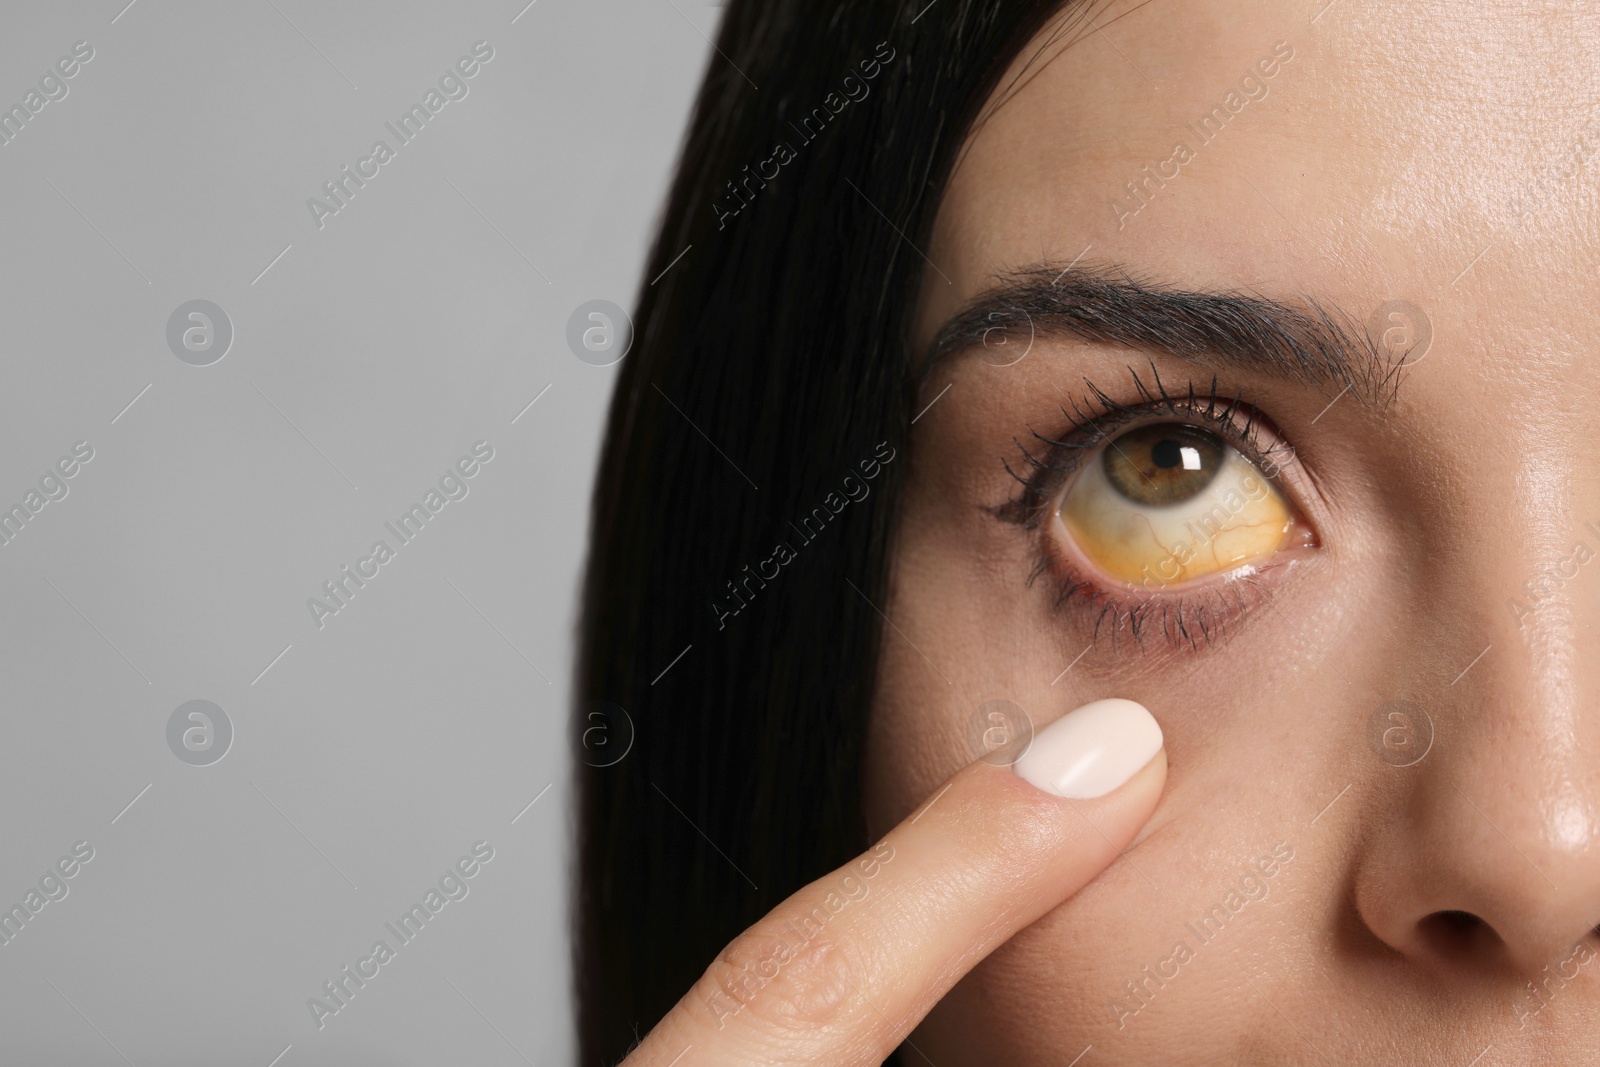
(1170, 503)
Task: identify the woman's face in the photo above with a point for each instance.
(1363, 601)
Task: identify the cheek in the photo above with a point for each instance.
(1260, 734)
(1102, 969)
(958, 642)
(938, 663)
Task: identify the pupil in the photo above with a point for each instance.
(1166, 453)
(1167, 463)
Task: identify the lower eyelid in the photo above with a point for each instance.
(1195, 614)
(1200, 614)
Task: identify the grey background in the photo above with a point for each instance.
(370, 754)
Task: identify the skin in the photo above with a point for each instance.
(1417, 151)
(986, 855)
(1387, 154)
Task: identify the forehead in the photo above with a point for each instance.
(1360, 152)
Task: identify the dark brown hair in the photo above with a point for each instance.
(769, 362)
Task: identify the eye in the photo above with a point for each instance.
(1170, 503)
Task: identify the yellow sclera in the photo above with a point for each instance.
(1233, 519)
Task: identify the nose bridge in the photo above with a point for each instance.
(1539, 689)
(1544, 542)
(1532, 576)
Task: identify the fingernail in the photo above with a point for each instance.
(1090, 751)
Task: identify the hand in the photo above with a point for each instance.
(845, 968)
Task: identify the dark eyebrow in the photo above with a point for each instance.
(1307, 343)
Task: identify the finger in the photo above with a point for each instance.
(845, 968)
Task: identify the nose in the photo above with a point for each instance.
(1489, 859)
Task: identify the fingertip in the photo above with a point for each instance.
(1093, 750)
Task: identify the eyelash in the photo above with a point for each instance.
(1188, 618)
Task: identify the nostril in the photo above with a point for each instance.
(1459, 921)
(1456, 935)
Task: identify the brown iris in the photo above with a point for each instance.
(1167, 463)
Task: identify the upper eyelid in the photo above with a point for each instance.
(1091, 430)
(1184, 617)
